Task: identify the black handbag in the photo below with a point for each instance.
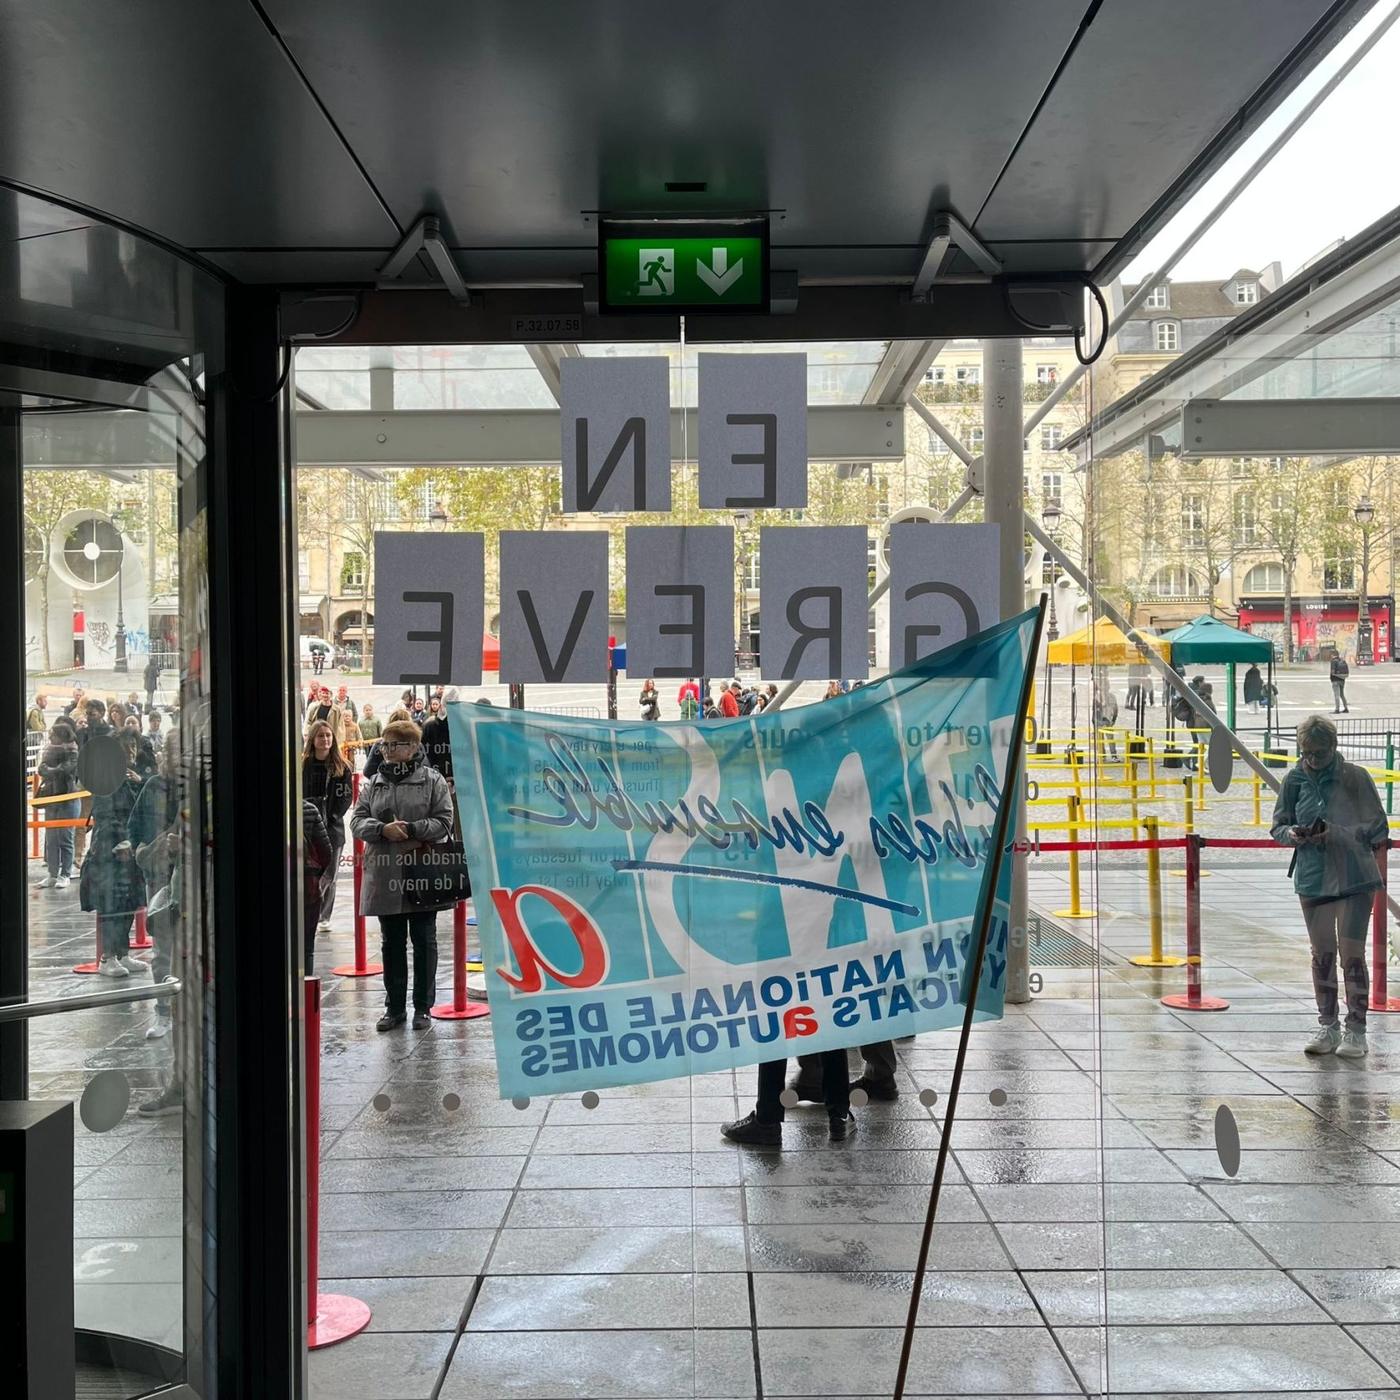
(435, 876)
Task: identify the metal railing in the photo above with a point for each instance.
(117, 996)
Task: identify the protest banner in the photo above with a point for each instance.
(666, 899)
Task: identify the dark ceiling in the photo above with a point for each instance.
(296, 140)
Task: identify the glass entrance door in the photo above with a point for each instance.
(106, 1007)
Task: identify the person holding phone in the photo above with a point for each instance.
(111, 884)
(1328, 810)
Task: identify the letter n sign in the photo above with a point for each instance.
(616, 422)
(429, 596)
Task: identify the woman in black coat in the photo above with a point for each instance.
(326, 780)
(111, 884)
(58, 775)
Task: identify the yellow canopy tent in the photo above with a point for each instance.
(1103, 644)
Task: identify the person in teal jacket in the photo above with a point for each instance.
(1328, 810)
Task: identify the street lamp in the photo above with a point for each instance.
(1050, 515)
(438, 516)
(742, 520)
(1365, 513)
(119, 662)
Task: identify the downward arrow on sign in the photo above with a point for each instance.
(721, 277)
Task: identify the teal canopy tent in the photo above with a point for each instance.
(1206, 641)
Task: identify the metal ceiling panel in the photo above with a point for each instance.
(1146, 91)
(183, 119)
(513, 119)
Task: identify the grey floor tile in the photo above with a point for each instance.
(880, 1203)
(413, 1210)
(422, 1174)
(1311, 1246)
(646, 1170)
(1133, 1245)
(582, 1365)
(1382, 1340)
(646, 1302)
(618, 1249)
(402, 1253)
(1266, 1166)
(614, 1205)
(1263, 1360)
(432, 1304)
(1341, 1202)
(828, 1247)
(1145, 1296)
(151, 1312)
(949, 1299)
(832, 1361)
(825, 1168)
(1355, 1295)
(379, 1366)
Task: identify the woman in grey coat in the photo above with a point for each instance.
(404, 806)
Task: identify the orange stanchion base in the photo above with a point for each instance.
(350, 970)
(1388, 1004)
(86, 969)
(142, 938)
(1183, 1002)
(337, 1317)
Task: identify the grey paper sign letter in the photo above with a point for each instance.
(616, 423)
(680, 600)
(814, 622)
(429, 593)
(944, 586)
(753, 432)
(554, 606)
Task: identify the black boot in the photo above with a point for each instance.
(885, 1090)
(842, 1126)
(752, 1133)
(389, 1020)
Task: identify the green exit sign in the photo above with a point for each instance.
(683, 265)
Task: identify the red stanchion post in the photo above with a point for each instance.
(334, 1316)
(1194, 999)
(88, 969)
(1380, 950)
(460, 1008)
(143, 934)
(361, 967)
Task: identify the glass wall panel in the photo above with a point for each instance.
(105, 341)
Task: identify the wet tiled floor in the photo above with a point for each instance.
(1089, 1240)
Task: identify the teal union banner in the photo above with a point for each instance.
(658, 900)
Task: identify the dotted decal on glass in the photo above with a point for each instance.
(997, 1098)
(105, 1100)
(1227, 1140)
(590, 1099)
(380, 1103)
(788, 1098)
(859, 1098)
(520, 1101)
(451, 1102)
(928, 1097)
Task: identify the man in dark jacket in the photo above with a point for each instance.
(1337, 673)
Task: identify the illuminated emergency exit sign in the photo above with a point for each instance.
(683, 265)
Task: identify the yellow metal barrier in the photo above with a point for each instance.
(1155, 957)
(1075, 910)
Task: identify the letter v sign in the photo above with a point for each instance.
(721, 277)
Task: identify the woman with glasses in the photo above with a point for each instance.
(1329, 812)
(404, 806)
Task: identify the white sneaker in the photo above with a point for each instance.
(133, 964)
(1325, 1042)
(158, 1029)
(323, 928)
(48, 882)
(111, 967)
(1353, 1046)
(62, 882)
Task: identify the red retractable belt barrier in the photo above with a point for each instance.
(1194, 998)
(143, 936)
(334, 1316)
(361, 967)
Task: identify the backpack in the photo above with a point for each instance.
(1340, 667)
(690, 707)
(1181, 710)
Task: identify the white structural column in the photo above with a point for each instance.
(1003, 487)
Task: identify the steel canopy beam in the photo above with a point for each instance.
(547, 359)
(364, 439)
(1289, 427)
(900, 371)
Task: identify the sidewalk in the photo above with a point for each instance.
(627, 1251)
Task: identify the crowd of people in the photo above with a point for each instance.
(108, 782)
